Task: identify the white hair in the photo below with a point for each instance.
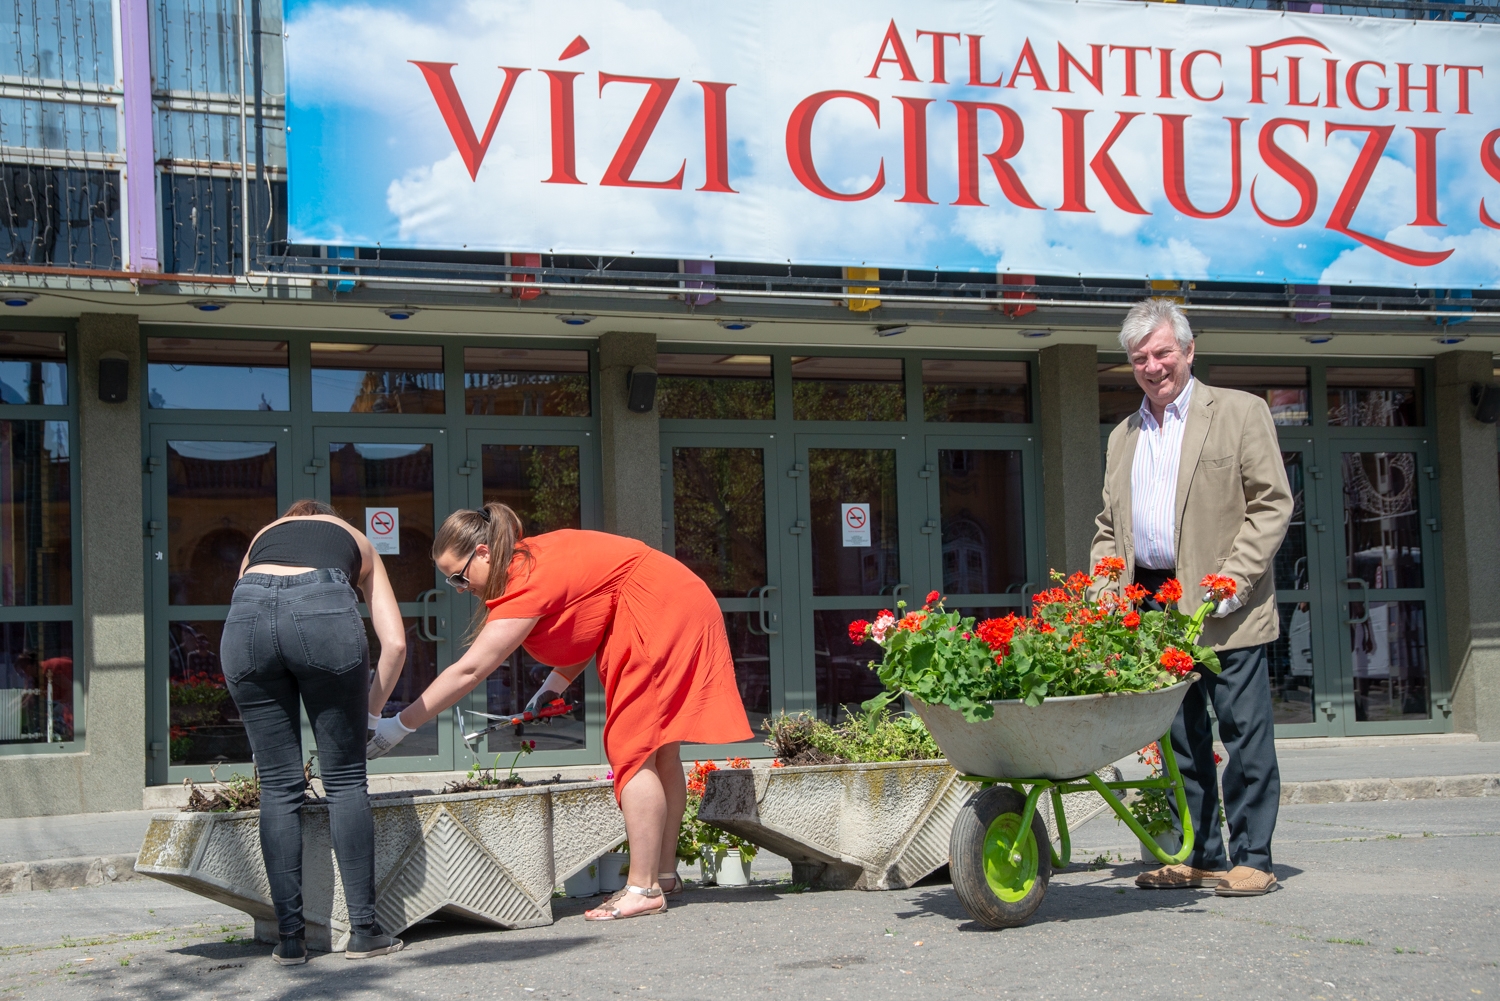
(1146, 318)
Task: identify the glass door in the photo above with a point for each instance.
(211, 490)
(388, 482)
(547, 479)
(1305, 694)
(854, 528)
(718, 496)
(979, 492)
(1387, 591)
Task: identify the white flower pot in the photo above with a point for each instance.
(584, 882)
(708, 868)
(614, 871)
(1169, 842)
(734, 869)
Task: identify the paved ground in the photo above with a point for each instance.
(1392, 900)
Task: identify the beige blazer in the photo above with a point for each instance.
(1233, 505)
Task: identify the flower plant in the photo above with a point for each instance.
(1071, 644)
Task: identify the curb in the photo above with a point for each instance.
(66, 873)
(1375, 790)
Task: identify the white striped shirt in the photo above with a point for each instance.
(1153, 483)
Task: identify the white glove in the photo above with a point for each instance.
(1228, 606)
(374, 720)
(389, 732)
(552, 689)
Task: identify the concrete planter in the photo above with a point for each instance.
(489, 857)
(867, 826)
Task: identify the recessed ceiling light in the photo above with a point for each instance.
(209, 305)
(891, 330)
(398, 312)
(575, 319)
(1036, 333)
(1317, 338)
(1451, 338)
(736, 324)
(18, 299)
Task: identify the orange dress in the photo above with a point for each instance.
(654, 627)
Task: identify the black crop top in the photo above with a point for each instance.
(308, 542)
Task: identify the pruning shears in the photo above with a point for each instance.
(557, 707)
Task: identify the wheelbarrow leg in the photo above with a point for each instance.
(1060, 861)
(1172, 781)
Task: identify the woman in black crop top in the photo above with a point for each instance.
(293, 633)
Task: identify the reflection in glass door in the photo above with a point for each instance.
(209, 498)
(1301, 696)
(385, 483)
(852, 559)
(1387, 641)
(543, 484)
(717, 524)
(979, 496)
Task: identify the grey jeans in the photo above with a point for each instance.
(302, 637)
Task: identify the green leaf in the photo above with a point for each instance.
(1207, 658)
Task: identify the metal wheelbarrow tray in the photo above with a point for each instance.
(999, 870)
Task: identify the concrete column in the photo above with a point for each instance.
(1470, 518)
(1072, 469)
(630, 443)
(109, 772)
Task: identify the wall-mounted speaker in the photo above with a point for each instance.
(640, 385)
(1486, 400)
(114, 379)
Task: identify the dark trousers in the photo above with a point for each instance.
(302, 637)
(1241, 698)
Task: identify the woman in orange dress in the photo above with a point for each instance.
(657, 635)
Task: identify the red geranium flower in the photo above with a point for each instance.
(1170, 591)
(859, 631)
(1177, 662)
(912, 621)
(1110, 566)
(1051, 596)
(1079, 582)
(1132, 620)
(933, 597)
(1137, 593)
(1218, 586)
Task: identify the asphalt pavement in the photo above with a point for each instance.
(1384, 900)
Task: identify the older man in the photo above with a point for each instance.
(1194, 484)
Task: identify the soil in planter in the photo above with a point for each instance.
(803, 739)
(487, 781)
(239, 792)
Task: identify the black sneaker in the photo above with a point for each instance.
(370, 942)
(291, 952)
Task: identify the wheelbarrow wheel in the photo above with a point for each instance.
(993, 888)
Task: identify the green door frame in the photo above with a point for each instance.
(305, 430)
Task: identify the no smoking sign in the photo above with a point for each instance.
(383, 529)
(856, 524)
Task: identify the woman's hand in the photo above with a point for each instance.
(389, 732)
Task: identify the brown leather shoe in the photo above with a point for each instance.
(1178, 877)
(1243, 881)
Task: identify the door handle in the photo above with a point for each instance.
(424, 631)
(1027, 589)
(896, 591)
(766, 616)
(1363, 600)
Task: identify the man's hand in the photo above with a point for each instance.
(552, 689)
(389, 732)
(1228, 606)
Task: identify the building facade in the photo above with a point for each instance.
(821, 442)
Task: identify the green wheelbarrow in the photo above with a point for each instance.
(999, 854)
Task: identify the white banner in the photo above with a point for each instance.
(1083, 138)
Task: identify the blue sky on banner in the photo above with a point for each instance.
(374, 162)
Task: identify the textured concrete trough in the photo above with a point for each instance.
(488, 857)
(876, 826)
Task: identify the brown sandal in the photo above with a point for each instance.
(611, 907)
(676, 887)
